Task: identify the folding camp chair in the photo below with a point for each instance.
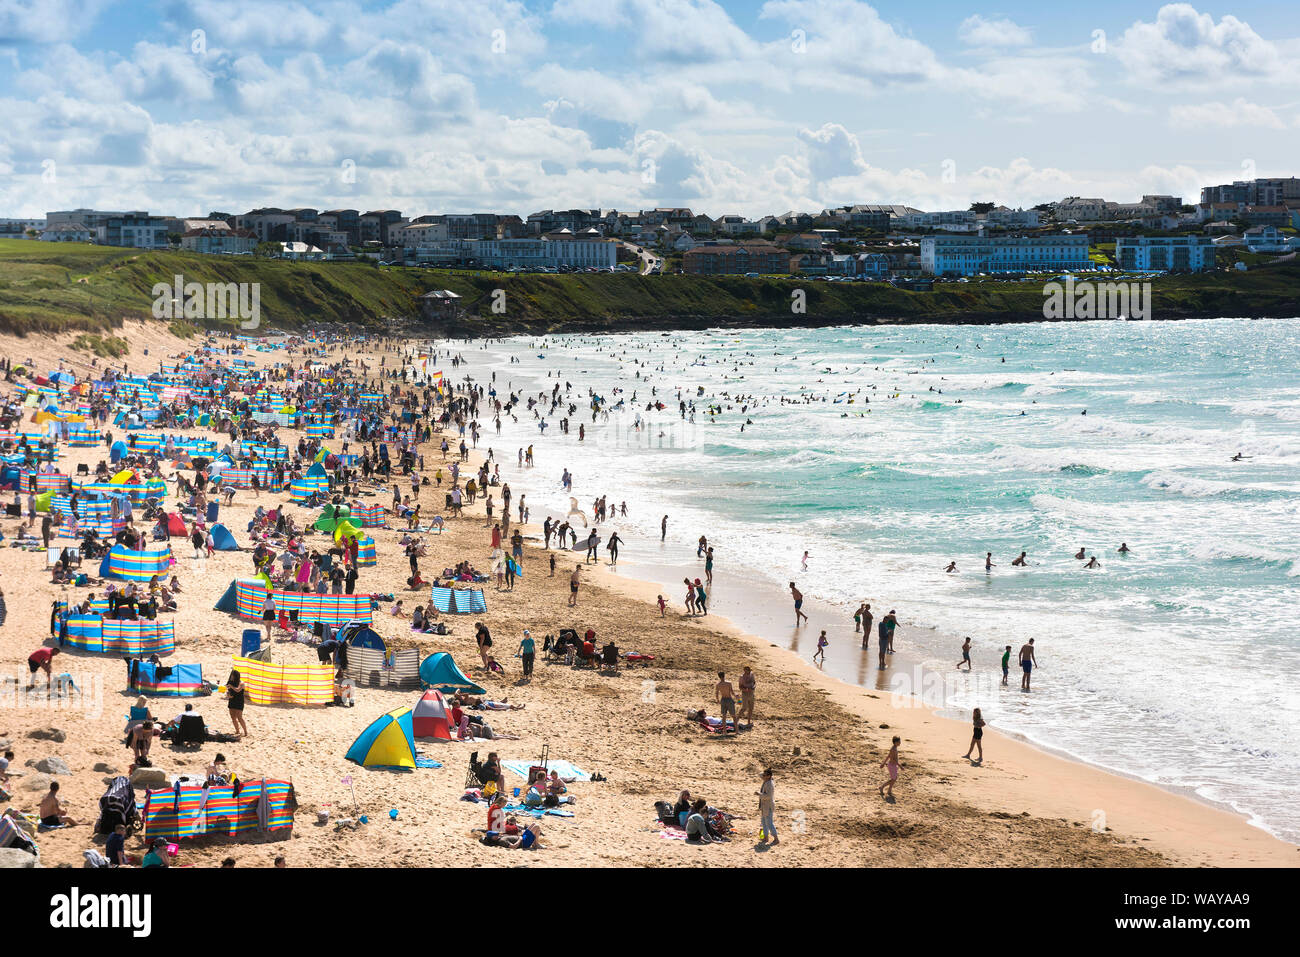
(83, 469)
(191, 731)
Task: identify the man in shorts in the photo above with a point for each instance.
(1006, 665)
(1027, 662)
(726, 698)
(797, 595)
(40, 660)
(51, 811)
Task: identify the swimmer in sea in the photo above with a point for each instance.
(1123, 548)
(1080, 555)
(1020, 562)
(952, 567)
(1093, 563)
(988, 561)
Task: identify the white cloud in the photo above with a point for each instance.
(976, 31)
(1188, 48)
(47, 21)
(1213, 116)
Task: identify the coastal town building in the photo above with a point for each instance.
(972, 255)
(1190, 253)
(219, 242)
(737, 258)
(66, 233)
(17, 228)
(562, 249)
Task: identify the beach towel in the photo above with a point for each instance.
(567, 772)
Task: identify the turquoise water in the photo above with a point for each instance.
(1176, 663)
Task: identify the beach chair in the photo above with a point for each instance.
(191, 731)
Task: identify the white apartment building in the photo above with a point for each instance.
(946, 219)
(1165, 253)
(970, 255)
(1016, 218)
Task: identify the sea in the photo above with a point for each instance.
(888, 452)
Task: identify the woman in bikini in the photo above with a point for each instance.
(690, 596)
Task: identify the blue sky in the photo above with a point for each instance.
(183, 106)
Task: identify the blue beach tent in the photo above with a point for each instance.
(439, 671)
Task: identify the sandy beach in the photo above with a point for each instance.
(824, 738)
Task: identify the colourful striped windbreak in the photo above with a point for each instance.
(138, 639)
(321, 429)
(334, 610)
(98, 606)
(301, 489)
(274, 453)
(145, 442)
(176, 813)
(271, 682)
(97, 515)
(243, 478)
(125, 565)
(81, 437)
(371, 515)
(366, 555)
(51, 482)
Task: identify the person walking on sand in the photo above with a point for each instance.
(747, 684)
(690, 596)
(767, 810)
(235, 693)
(821, 647)
(726, 699)
(891, 762)
(977, 737)
(573, 585)
(965, 654)
(1027, 663)
(797, 595)
(1006, 665)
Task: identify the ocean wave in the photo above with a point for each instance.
(1042, 390)
(1043, 460)
(1189, 486)
(1234, 552)
(1287, 412)
(1163, 434)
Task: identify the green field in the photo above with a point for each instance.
(49, 287)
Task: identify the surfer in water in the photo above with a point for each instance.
(1093, 563)
(1080, 555)
(1020, 562)
(952, 567)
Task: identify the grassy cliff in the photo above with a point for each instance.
(55, 287)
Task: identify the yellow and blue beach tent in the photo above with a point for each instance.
(388, 742)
